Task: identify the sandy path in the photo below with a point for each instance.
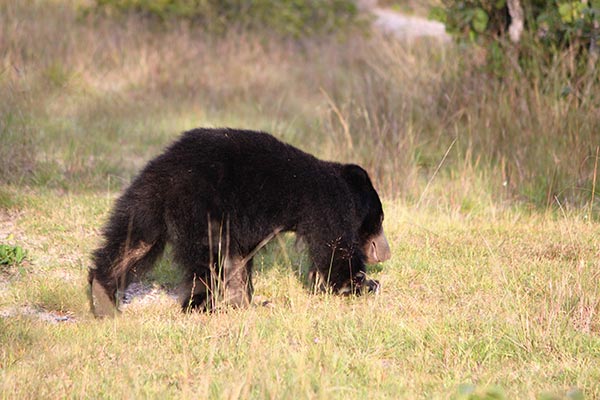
(405, 27)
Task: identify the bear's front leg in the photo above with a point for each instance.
(237, 281)
(357, 285)
(195, 294)
(362, 284)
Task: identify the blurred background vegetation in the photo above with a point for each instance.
(93, 89)
(296, 18)
(551, 30)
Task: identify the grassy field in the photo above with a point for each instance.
(489, 192)
(506, 300)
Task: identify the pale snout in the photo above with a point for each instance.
(377, 249)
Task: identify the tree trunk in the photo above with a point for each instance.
(516, 20)
(593, 51)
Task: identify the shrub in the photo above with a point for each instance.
(11, 255)
(286, 17)
(553, 30)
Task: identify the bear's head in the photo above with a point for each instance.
(368, 214)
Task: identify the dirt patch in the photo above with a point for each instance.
(33, 312)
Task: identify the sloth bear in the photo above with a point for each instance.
(217, 196)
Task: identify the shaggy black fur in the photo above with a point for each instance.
(215, 194)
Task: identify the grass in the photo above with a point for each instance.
(410, 7)
(507, 300)
(488, 189)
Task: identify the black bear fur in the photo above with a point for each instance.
(216, 195)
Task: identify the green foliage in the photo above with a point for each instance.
(165, 273)
(11, 255)
(572, 394)
(468, 391)
(288, 17)
(479, 20)
(471, 19)
(553, 29)
(568, 22)
(7, 200)
(549, 20)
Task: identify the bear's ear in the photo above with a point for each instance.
(356, 176)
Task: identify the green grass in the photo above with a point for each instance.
(488, 187)
(507, 300)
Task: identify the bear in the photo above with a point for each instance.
(216, 196)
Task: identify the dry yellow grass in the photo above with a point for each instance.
(506, 300)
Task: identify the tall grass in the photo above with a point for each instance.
(89, 99)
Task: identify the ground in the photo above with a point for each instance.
(401, 21)
(408, 27)
(493, 301)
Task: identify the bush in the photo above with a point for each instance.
(560, 23)
(561, 29)
(286, 17)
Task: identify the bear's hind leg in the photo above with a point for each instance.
(111, 277)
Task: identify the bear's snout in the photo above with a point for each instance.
(378, 249)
